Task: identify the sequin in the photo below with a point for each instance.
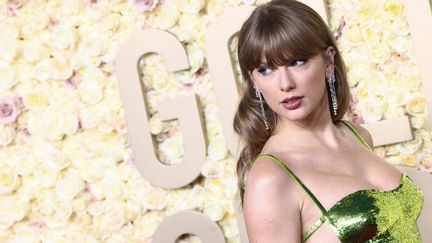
(369, 215)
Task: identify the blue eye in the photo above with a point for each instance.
(298, 62)
(264, 70)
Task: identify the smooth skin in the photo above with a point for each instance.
(327, 157)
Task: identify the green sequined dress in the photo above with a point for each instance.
(369, 215)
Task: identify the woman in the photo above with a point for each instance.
(311, 176)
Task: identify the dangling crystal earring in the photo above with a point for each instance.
(258, 95)
(331, 79)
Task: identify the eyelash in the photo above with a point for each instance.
(264, 70)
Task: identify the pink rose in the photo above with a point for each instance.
(10, 108)
(144, 5)
(15, 4)
(355, 118)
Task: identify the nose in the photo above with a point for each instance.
(285, 79)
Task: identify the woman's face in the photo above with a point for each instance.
(297, 90)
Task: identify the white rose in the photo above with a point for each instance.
(397, 96)
(97, 190)
(35, 123)
(394, 160)
(113, 186)
(212, 169)
(45, 176)
(217, 149)
(400, 43)
(52, 157)
(7, 135)
(63, 37)
(416, 105)
(155, 124)
(214, 209)
(410, 147)
(173, 149)
(80, 203)
(9, 179)
(61, 70)
(111, 220)
(371, 112)
(81, 60)
(156, 199)
(5, 222)
(90, 92)
(190, 6)
(9, 49)
(145, 226)
(69, 123)
(43, 70)
(189, 27)
(61, 213)
(69, 186)
(418, 122)
(52, 129)
(27, 235)
(196, 56)
(7, 78)
(231, 188)
(214, 185)
(35, 99)
(425, 161)
(196, 197)
(34, 51)
(93, 47)
(14, 208)
(8, 31)
(165, 16)
(96, 208)
(111, 22)
(92, 116)
(24, 163)
(394, 112)
(215, 7)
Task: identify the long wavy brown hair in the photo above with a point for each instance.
(278, 31)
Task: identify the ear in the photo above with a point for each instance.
(329, 56)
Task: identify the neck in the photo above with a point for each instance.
(318, 127)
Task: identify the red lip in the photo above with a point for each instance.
(293, 102)
(291, 98)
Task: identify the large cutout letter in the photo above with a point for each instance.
(420, 22)
(184, 108)
(188, 222)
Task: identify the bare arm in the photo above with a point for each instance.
(271, 205)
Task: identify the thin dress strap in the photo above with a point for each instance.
(319, 222)
(308, 192)
(348, 124)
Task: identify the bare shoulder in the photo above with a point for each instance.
(364, 133)
(271, 201)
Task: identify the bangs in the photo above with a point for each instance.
(276, 41)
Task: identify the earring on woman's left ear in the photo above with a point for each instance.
(331, 80)
(258, 95)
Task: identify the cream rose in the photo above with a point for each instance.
(61, 212)
(172, 148)
(7, 78)
(9, 180)
(215, 209)
(156, 199)
(63, 37)
(415, 105)
(7, 135)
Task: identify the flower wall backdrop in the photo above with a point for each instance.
(67, 173)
